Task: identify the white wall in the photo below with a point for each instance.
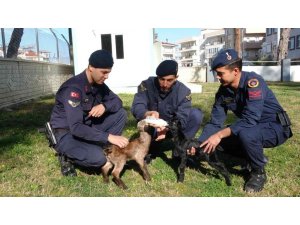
(138, 62)
(273, 73)
(295, 73)
(192, 74)
(269, 73)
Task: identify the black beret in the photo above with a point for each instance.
(101, 59)
(224, 57)
(167, 67)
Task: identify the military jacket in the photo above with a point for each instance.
(74, 99)
(253, 102)
(176, 103)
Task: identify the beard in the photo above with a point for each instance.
(164, 90)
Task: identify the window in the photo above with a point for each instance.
(292, 43)
(119, 47)
(298, 41)
(106, 42)
(271, 31)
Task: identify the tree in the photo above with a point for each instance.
(238, 41)
(14, 44)
(282, 50)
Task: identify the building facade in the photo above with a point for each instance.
(212, 41)
(270, 46)
(189, 51)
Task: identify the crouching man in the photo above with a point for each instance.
(86, 116)
(166, 98)
(262, 122)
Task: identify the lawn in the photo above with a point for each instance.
(28, 167)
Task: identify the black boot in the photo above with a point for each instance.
(66, 166)
(257, 180)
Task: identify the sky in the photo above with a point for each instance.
(175, 34)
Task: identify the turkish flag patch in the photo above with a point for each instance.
(254, 94)
(74, 94)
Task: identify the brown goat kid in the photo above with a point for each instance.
(136, 150)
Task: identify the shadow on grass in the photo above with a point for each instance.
(196, 163)
(20, 123)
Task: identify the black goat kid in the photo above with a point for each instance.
(180, 151)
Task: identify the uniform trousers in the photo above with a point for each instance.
(250, 142)
(89, 153)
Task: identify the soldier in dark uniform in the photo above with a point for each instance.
(167, 98)
(261, 121)
(87, 115)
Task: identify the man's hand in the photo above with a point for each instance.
(152, 114)
(161, 133)
(97, 111)
(211, 143)
(215, 139)
(120, 141)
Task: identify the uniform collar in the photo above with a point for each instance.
(87, 85)
(242, 79)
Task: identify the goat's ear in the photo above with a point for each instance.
(141, 123)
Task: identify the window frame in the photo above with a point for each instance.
(298, 42)
(291, 41)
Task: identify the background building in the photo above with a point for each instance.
(189, 49)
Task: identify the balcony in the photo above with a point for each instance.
(187, 49)
(252, 45)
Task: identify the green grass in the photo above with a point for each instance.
(28, 167)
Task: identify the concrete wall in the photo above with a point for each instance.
(269, 73)
(24, 80)
(192, 74)
(273, 73)
(295, 73)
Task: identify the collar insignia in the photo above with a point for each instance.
(189, 97)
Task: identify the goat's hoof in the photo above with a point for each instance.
(106, 180)
(120, 183)
(147, 182)
(180, 179)
(228, 182)
(124, 187)
(147, 179)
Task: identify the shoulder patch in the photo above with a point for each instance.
(73, 104)
(75, 94)
(189, 97)
(142, 87)
(252, 83)
(255, 95)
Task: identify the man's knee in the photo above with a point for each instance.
(249, 135)
(122, 114)
(121, 117)
(195, 117)
(95, 160)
